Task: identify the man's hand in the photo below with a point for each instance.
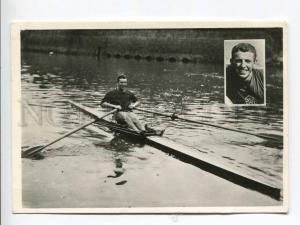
(131, 106)
(118, 107)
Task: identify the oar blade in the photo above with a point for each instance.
(273, 137)
(28, 153)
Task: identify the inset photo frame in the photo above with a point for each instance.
(245, 72)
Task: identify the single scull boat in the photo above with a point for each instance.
(188, 155)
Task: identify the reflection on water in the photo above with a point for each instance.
(194, 91)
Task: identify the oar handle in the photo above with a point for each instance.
(29, 153)
(157, 113)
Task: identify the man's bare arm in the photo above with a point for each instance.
(109, 105)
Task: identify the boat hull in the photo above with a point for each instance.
(191, 156)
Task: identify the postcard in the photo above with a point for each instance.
(144, 117)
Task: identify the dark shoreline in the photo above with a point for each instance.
(173, 45)
(276, 62)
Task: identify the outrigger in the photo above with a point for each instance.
(180, 151)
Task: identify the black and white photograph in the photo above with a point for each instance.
(149, 117)
(244, 72)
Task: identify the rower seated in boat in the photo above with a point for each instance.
(123, 100)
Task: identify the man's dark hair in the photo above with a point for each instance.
(243, 47)
(122, 76)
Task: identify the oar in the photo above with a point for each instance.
(34, 150)
(174, 116)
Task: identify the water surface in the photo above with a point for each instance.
(194, 91)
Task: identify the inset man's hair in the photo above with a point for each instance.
(243, 47)
(121, 76)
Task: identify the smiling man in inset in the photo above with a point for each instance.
(244, 83)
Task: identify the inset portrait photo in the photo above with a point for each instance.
(244, 69)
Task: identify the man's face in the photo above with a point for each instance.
(243, 63)
(122, 83)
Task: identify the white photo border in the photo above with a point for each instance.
(16, 29)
